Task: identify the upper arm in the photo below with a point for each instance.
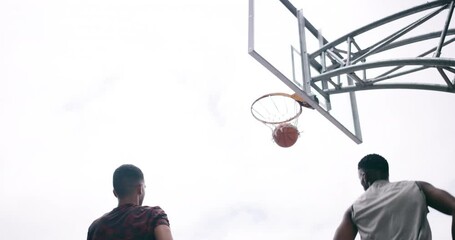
(347, 229)
(163, 232)
(437, 198)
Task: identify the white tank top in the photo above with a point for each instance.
(392, 211)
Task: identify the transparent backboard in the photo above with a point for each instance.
(275, 42)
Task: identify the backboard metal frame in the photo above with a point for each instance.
(348, 62)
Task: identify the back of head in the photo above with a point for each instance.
(375, 164)
(126, 178)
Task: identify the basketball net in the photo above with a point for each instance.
(277, 108)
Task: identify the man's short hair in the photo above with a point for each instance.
(375, 162)
(126, 177)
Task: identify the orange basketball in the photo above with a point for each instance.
(285, 135)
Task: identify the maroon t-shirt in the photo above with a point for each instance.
(128, 222)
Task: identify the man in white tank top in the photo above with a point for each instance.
(392, 210)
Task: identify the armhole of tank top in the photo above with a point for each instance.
(417, 184)
(352, 212)
(421, 191)
(423, 219)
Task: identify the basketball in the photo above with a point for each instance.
(285, 135)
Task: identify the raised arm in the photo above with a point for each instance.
(347, 229)
(439, 200)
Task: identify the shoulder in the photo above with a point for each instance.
(98, 221)
(153, 210)
(403, 184)
(422, 184)
(156, 214)
(94, 226)
(425, 187)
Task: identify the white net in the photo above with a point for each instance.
(276, 108)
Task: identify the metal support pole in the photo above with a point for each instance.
(251, 26)
(446, 79)
(444, 31)
(381, 44)
(352, 97)
(323, 69)
(304, 54)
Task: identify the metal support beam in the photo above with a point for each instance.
(446, 79)
(381, 22)
(352, 97)
(381, 44)
(304, 54)
(444, 31)
(325, 86)
(385, 86)
(432, 62)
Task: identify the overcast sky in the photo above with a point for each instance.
(86, 86)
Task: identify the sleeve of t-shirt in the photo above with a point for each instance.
(91, 230)
(159, 217)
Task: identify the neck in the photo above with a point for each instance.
(376, 180)
(129, 200)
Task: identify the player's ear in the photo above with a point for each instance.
(139, 189)
(367, 178)
(370, 178)
(115, 194)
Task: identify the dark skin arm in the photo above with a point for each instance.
(163, 232)
(347, 229)
(439, 200)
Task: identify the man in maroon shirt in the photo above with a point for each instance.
(130, 220)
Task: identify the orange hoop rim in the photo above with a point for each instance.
(276, 122)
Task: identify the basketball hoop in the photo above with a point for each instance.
(280, 112)
(276, 108)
